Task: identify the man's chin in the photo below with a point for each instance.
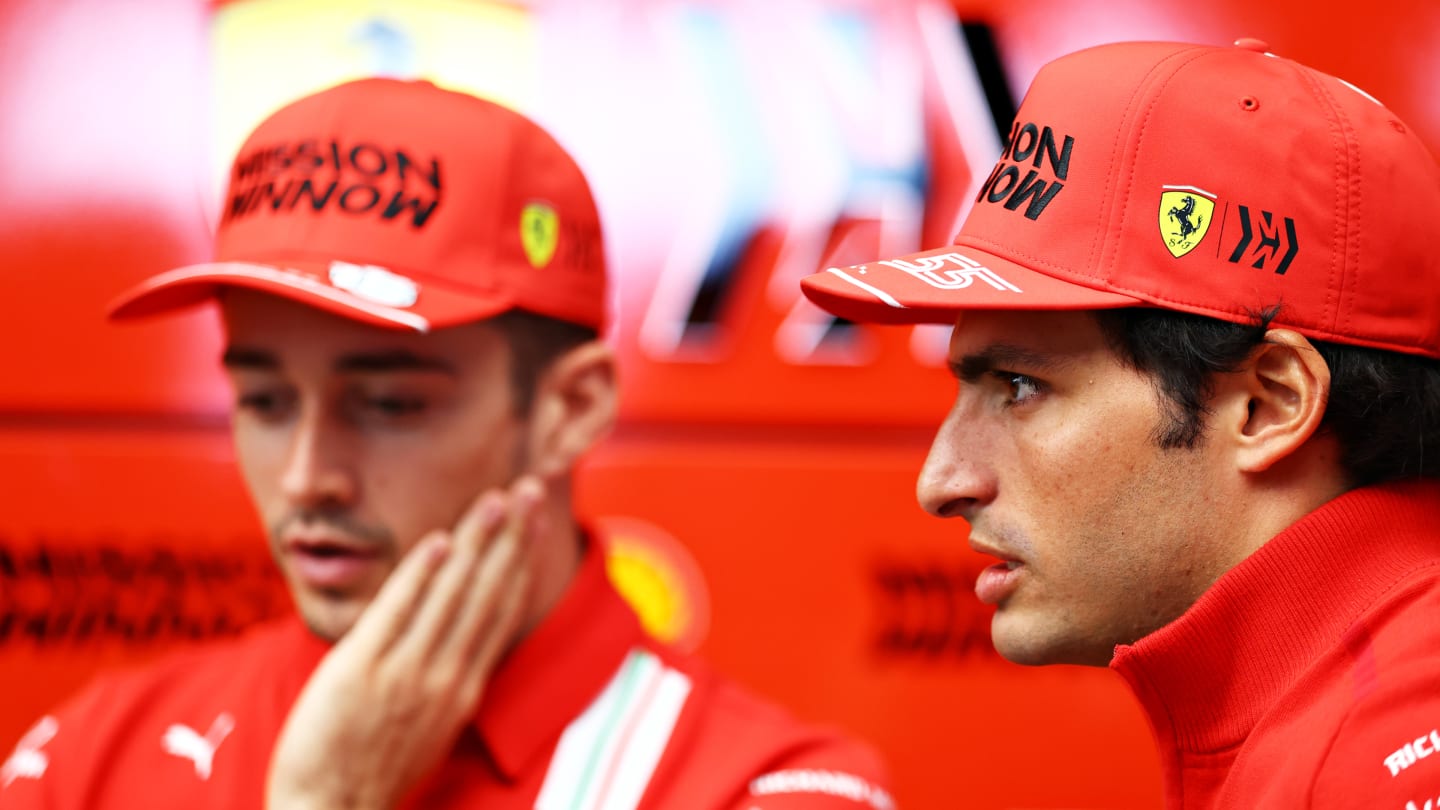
(1021, 643)
(1022, 654)
(330, 620)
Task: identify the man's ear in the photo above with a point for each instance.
(574, 407)
(1284, 387)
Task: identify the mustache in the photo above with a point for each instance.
(1009, 539)
(335, 521)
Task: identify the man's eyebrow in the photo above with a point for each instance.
(377, 362)
(393, 360)
(243, 357)
(1004, 356)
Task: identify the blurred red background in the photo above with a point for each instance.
(758, 494)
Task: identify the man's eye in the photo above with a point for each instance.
(1022, 389)
(395, 406)
(262, 403)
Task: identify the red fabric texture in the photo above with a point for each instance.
(109, 751)
(1217, 181)
(1303, 670)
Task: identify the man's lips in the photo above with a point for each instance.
(326, 561)
(997, 582)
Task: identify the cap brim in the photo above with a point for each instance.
(433, 308)
(936, 285)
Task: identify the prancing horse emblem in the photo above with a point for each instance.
(1185, 214)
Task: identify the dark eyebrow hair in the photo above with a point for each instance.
(241, 357)
(1005, 356)
(391, 361)
(378, 362)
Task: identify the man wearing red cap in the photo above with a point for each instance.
(1196, 329)
(412, 282)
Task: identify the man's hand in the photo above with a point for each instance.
(388, 702)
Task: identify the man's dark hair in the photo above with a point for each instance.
(535, 341)
(1384, 407)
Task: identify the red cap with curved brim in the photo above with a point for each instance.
(1218, 181)
(402, 205)
(931, 287)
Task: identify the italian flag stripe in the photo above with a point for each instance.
(607, 755)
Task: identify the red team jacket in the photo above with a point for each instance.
(587, 712)
(1309, 675)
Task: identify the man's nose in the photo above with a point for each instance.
(318, 468)
(958, 476)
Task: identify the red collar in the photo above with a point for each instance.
(549, 679)
(1206, 678)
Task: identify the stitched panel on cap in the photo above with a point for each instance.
(1117, 155)
(1339, 289)
(1189, 57)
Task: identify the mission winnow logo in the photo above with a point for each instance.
(356, 179)
(1044, 159)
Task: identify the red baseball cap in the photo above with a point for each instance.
(1212, 180)
(405, 205)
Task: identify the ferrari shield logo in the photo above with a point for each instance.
(539, 233)
(1185, 218)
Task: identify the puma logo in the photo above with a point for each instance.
(184, 741)
(28, 761)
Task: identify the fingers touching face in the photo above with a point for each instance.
(387, 702)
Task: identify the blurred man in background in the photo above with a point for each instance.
(412, 284)
(1196, 331)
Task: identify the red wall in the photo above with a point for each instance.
(786, 478)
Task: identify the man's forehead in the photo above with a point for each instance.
(1059, 332)
(242, 307)
(1035, 342)
(248, 315)
(264, 331)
